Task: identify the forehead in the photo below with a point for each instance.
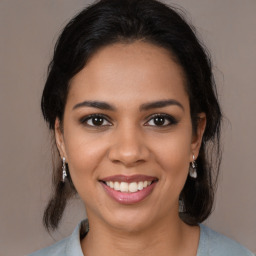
(126, 72)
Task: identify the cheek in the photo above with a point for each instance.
(84, 155)
(174, 158)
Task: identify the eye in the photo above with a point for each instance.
(95, 120)
(161, 120)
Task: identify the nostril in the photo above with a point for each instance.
(126, 158)
(129, 163)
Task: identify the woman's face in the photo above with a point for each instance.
(127, 127)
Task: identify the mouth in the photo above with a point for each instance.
(129, 189)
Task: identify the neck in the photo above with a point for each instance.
(166, 237)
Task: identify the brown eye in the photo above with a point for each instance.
(161, 120)
(95, 120)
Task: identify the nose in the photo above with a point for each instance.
(129, 147)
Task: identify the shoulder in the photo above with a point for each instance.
(69, 246)
(56, 249)
(215, 244)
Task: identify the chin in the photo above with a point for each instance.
(131, 220)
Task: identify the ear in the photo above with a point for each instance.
(198, 136)
(59, 138)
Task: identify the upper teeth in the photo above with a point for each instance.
(128, 187)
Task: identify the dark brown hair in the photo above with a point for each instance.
(110, 21)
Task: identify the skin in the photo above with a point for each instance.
(129, 142)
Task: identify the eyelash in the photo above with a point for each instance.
(84, 120)
(171, 120)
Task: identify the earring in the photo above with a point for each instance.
(192, 169)
(181, 206)
(64, 171)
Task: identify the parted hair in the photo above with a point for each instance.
(110, 21)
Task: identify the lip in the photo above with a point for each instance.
(129, 179)
(129, 198)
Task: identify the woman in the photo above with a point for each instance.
(132, 102)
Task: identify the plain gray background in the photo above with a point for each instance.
(29, 29)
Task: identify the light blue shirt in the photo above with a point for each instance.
(211, 243)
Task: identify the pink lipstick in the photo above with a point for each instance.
(129, 189)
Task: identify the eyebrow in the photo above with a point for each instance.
(95, 104)
(160, 104)
(146, 106)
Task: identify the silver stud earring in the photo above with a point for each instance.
(192, 169)
(64, 171)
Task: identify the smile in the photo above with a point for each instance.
(129, 189)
